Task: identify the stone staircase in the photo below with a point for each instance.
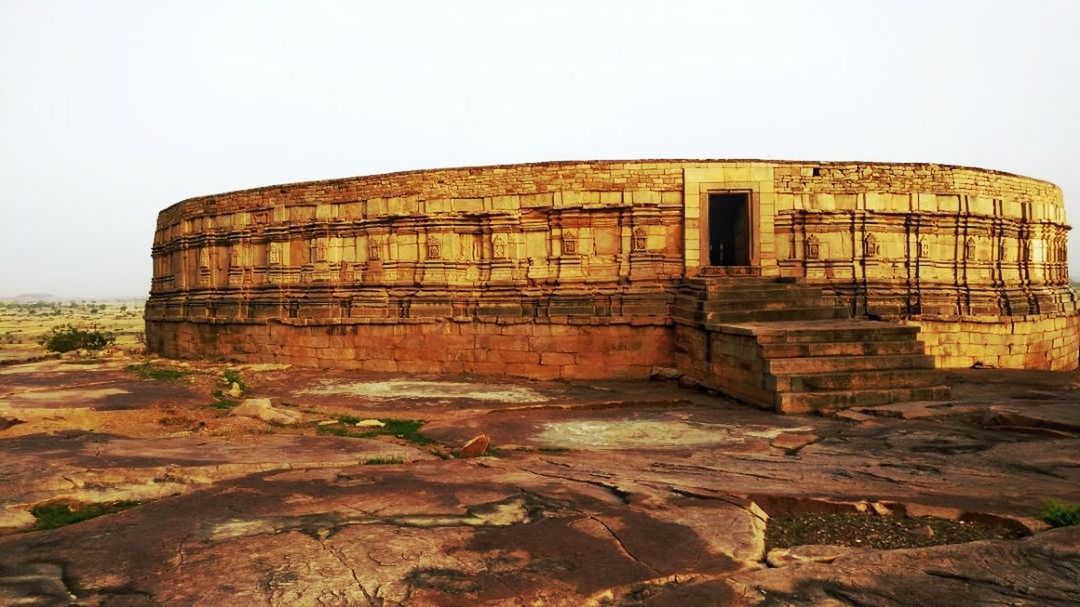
(783, 345)
(714, 301)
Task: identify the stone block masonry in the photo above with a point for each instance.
(570, 269)
(534, 350)
(1003, 342)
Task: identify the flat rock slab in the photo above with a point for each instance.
(1056, 416)
(493, 535)
(87, 467)
(435, 391)
(433, 397)
(1040, 570)
(103, 386)
(593, 493)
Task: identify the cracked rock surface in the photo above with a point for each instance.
(592, 493)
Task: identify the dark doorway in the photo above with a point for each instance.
(729, 229)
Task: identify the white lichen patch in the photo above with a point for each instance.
(630, 434)
(400, 388)
(774, 432)
(233, 528)
(78, 394)
(504, 514)
(15, 517)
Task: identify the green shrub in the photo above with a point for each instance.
(232, 376)
(65, 338)
(405, 429)
(147, 370)
(58, 514)
(1059, 514)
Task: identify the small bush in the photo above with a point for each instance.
(232, 376)
(1058, 514)
(58, 514)
(147, 370)
(405, 429)
(65, 338)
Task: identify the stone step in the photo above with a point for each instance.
(831, 364)
(741, 294)
(750, 315)
(827, 332)
(741, 285)
(750, 299)
(764, 304)
(805, 402)
(843, 348)
(853, 380)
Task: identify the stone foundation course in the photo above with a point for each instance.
(537, 351)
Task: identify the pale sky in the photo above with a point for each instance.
(113, 110)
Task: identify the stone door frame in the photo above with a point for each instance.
(756, 181)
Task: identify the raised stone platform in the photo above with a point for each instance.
(573, 269)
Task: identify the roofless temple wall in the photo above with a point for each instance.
(569, 269)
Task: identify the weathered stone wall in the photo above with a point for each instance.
(724, 361)
(601, 244)
(1008, 342)
(905, 241)
(534, 350)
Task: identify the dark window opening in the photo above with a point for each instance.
(729, 229)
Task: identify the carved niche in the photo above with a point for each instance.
(813, 247)
(498, 247)
(434, 247)
(871, 248)
(569, 243)
(275, 254)
(317, 250)
(204, 266)
(640, 242)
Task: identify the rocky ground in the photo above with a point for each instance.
(358, 491)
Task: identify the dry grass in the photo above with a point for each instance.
(21, 324)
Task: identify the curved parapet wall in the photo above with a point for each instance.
(568, 269)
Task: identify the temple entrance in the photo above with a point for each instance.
(729, 229)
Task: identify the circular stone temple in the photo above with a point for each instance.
(612, 268)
